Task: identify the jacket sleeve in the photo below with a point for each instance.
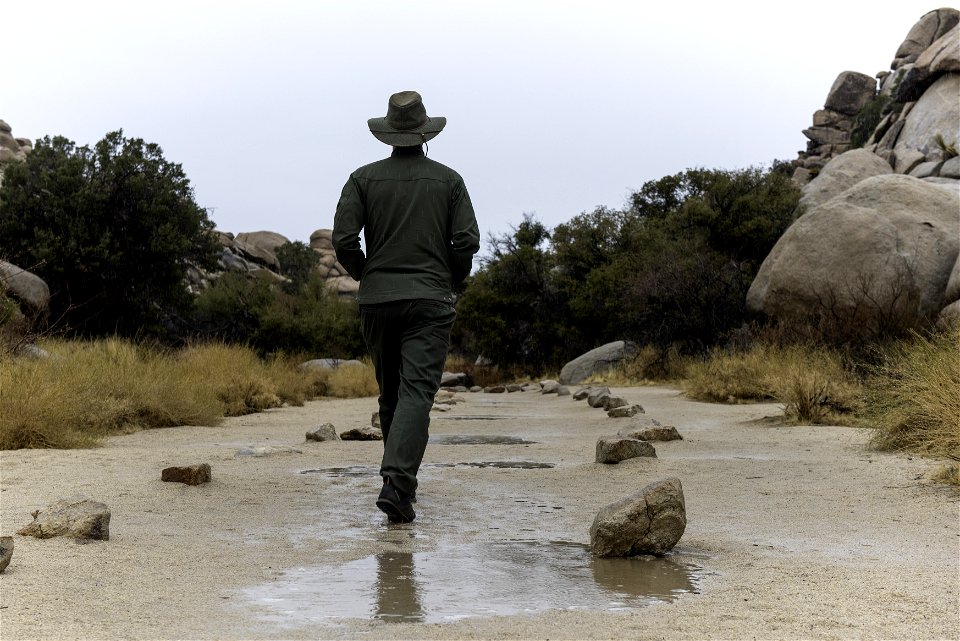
(347, 223)
(465, 234)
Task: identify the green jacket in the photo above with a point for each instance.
(418, 225)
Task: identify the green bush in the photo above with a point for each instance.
(112, 230)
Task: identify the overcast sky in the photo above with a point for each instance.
(553, 108)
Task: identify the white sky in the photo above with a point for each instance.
(553, 107)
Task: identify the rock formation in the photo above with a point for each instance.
(879, 226)
(82, 519)
(596, 361)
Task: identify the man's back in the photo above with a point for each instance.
(418, 224)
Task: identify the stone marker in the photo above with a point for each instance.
(365, 433)
(610, 402)
(189, 474)
(549, 386)
(6, 551)
(624, 411)
(597, 394)
(79, 518)
(563, 390)
(649, 522)
(614, 449)
(476, 388)
(495, 389)
(514, 387)
(440, 408)
(652, 433)
(531, 387)
(582, 393)
(325, 432)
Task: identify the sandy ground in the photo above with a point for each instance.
(793, 532)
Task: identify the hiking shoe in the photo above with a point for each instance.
(395, 503)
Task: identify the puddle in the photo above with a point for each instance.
(369, 471)
(473, 580)
(479, 439)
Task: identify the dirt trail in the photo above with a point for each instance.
(793, 532)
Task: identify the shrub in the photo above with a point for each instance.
(814, 383)
(913, 395)
(111, 229)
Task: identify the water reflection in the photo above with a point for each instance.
(479, 579)
(397, 592)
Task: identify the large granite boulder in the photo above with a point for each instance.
(884, 248)
(840, 174)
(929, 28)
(649, 522)
(261, 246)
(31, 290)
(850, 92)
(952, 293)
(936, 112)
(943, 56)
(596, 361)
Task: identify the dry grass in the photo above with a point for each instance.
(813, 383)
(350, 381)
(913, 396)
(648, 367)
(91, 389)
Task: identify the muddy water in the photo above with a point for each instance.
(453, 582)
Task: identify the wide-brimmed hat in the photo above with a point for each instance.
(406, 123)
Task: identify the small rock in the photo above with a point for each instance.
(437, 407)
(610, 402)
(443, 393)
(81, 518)
(495, 389)
(582, 393)
(326, 432)
(365, 433)
(375, 420)
(615, 449)
(639, 423)
(649, 522)
(597, 394)
(476, 388)
(267, 450)
(531, 387)
(6, 551)
(513, 387)
(563, 390)
(624, 411)
(654, 433)
(189, 474)
(549, 386)
(453, 379)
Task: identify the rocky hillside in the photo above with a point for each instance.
(875, 248)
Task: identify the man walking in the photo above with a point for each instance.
(421, 234)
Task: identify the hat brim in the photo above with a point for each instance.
(406, 137)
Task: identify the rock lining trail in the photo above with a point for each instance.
(797, 531)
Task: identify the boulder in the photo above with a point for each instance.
(6, 549)
(610, 402)
(531, 387)
(563, 390)
(616, 448)
(651, 433)
(928, 29)
(322, 239)
(189, 474)
(884, 247)
(624, 411)
(514, 387)
(549, 386)
(364, 433)
(596, 361)
(344, 285)
(259, 247)
(949, 315)
(28, 288)
(476, 388)
(582, 393)
(80, 518)
(850, 92)
(936, 112)
(325, 432)
(840, 174)
(495, 389)
(597, 396)
(943, 56)
(649, 522)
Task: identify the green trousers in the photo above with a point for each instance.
(408, 341)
